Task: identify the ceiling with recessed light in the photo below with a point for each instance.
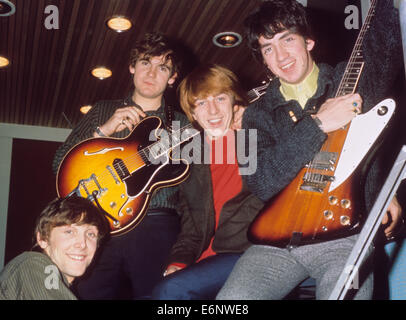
(51, 55)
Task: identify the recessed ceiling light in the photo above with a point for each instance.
(85, 109)
(7, 8)
(119, 23)
(227, 39)
(4, 62)
(101, 73)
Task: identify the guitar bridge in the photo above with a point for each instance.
(315, 182)
(92, 181)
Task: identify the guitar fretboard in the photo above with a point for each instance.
(355, 64)
(169, 140)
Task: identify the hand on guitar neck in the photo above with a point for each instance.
(335, 113)
(122, 118)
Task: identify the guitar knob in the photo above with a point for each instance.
(328, 215)
(129, 211)
(345, 203)
(345, 220)
(332, 200)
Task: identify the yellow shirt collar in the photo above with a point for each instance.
(302, 91)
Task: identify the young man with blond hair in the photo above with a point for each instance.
(216, 208)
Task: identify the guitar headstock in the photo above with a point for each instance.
(255, 93)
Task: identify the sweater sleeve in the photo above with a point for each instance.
(281, 149)
(34, 278)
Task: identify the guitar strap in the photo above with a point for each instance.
(168, 112)
(169, 117)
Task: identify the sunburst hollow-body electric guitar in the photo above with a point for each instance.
(120, 175)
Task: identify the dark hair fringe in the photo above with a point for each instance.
(70, 210)
(156, 44)
(275, 16)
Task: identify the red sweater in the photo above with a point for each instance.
(225, 177)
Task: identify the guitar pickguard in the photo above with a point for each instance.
(363, 132)
(146, 175)
(102, 151)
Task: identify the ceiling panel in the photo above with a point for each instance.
(49, 76)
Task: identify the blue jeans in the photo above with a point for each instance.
(199, 281)
(396, 254)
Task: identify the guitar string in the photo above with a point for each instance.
(92, 184)
(354, 65)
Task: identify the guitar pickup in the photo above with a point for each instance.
(121, 169)
(323, 161)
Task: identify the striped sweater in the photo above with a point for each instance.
(33, 276)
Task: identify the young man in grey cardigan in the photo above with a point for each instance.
(292, 120)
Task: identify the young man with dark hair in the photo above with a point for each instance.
(67, 232)
(136, 257)
(216, 207)
(293, 119)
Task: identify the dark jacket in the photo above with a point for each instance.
(198, 218)
(286, 146)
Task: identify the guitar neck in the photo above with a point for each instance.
(169, 140)
(355, 64)
(175, 138)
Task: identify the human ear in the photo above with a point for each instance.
(310, 44)
(172, 79)
(41, 242)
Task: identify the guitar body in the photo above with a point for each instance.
(323, 202)
(117, 174)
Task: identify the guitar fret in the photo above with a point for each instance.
(169, 141)
(353, 69)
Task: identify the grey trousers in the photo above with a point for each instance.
(270, 273)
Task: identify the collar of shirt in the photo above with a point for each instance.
(128, 101)
(302, 91)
